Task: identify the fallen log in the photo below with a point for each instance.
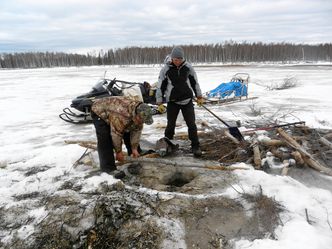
(282, 155)
(272, 142)
(80, 142)
(182, 163)
(83, 143)
(88, 146)
(257, 154)
(307, 157)
(287, 164)
(329, 135)
(277, 142)
(326, 142)
(153, 158)
(298, 158)
(184, 135)
(285, 170)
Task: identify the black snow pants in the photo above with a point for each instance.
(188, 114)
(104, 144)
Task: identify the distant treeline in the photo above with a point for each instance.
(227, 52)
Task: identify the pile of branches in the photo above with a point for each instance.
(217, 146)
(299, 146)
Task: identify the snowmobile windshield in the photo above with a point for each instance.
(99, 87)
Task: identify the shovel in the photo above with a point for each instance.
(234, 131)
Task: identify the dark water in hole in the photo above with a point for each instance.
(178, 180)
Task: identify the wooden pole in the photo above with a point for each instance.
(329, 135)
(257, 154)
(182, 163)
(298, 158)
(80, 142)
(326, 142)
(83, 143)
(272, 142)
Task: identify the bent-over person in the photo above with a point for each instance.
(113, 117)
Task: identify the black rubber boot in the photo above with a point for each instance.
(197, 152)
(118, 174)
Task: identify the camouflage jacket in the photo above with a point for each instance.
(119, 112)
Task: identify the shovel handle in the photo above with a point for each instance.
(215, 115)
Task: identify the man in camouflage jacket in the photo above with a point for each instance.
(113, 117)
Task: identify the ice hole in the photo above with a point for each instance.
(179, 179)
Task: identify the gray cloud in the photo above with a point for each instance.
(82, 25)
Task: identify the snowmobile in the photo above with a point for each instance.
(106, 88)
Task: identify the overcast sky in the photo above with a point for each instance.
(86, 25)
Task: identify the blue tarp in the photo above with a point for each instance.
(226, 89)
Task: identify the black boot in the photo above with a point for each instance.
(197, 151)
(118, 174)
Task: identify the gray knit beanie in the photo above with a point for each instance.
(177, 52)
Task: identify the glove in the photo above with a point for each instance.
(119, 156)
(161, 108)
(135, 153)
(200, 101)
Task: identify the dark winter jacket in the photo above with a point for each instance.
(177, 84)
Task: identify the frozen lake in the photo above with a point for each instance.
(31, 100)
(32, 136)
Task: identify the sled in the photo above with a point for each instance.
(233, 91)
(79, 111)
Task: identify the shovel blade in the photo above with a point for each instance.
(165, 147)
(235, 132)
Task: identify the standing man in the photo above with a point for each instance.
(178, 84)
(113, 117)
